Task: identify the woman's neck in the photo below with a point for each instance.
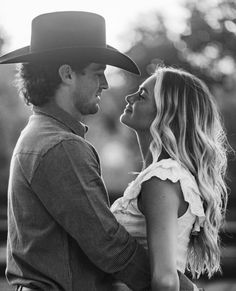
(144, 140)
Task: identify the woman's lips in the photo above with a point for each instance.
(128, 109)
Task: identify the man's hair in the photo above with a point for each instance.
(38, 82)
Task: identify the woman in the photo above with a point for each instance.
(176, 204)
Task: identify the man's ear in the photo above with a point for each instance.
(65, 72)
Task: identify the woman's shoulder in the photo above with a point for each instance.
(165, 169)
(162, 189)
(167, 176)
(174, 171)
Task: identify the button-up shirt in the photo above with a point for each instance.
(61, 233)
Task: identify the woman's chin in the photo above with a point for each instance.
(125, 120)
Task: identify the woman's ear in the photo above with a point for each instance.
(66, 73)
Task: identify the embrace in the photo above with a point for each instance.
(63, 235)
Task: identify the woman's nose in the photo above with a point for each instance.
(130, 98)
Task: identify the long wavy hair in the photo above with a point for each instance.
(189, 129)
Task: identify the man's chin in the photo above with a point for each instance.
(94, 110)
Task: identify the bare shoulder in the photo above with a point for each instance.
(161, 187)
(159, 191)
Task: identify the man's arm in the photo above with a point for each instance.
(68, 183)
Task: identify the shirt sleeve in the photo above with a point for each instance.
(69, 184)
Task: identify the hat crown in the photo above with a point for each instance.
(69, 36)
(67, 29)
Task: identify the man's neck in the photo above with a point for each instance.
(63, 101)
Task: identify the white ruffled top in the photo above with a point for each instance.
(127, 213)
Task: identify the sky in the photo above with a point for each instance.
(120, 15)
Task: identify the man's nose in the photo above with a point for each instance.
(104, 84)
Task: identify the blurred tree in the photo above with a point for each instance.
(13, 115)
(206, 47)
(211, 40)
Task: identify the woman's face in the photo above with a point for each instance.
(141, 108)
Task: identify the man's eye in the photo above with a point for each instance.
(100, 73)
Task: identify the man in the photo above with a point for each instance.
(61, 233)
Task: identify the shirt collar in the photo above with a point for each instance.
(54, 111)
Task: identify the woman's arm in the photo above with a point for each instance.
(159, 201)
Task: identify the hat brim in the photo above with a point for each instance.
(108, 56)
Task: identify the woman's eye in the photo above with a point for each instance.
(141, 93)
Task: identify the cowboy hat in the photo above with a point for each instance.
(70, 36)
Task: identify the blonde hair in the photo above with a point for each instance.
(188, 128)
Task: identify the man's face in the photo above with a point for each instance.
(87, 89)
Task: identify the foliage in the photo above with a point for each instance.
(206, 47)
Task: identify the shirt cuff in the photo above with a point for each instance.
(136, 274)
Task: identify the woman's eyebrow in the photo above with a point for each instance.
(143, 88)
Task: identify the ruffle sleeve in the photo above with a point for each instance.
(173, 171)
